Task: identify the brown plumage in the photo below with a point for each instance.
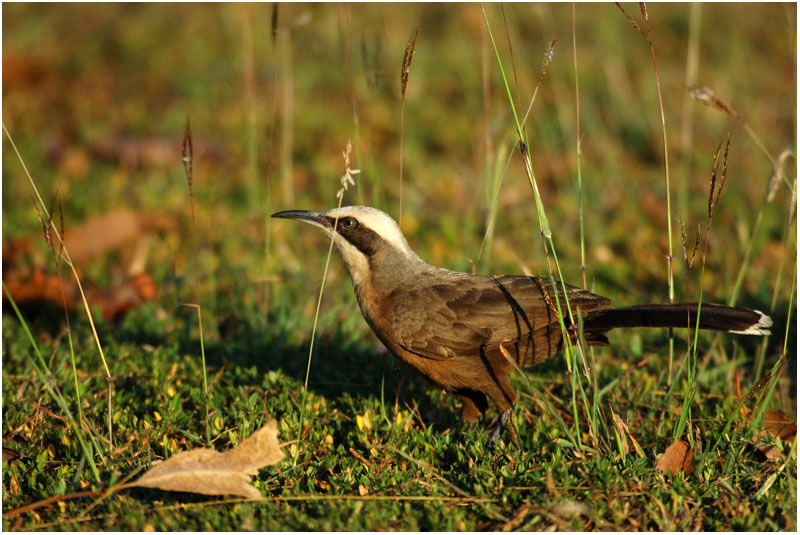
(460, 331)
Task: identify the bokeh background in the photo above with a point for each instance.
(97, 99)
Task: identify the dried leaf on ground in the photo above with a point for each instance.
(86, 241)
(131, 292)
(776, 425)
(676, 457)
(39, 287)
(42, 287)
(206, 471)
(110, 231)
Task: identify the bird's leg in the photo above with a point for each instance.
(399, 386)
(501, 423)
(473, 404)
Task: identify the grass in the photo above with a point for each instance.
(271, 108)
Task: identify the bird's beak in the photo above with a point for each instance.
(315, 218)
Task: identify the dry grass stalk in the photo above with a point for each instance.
(408, 55)
(345, 181)
(670, 257)
(188, 159)
(68, 260)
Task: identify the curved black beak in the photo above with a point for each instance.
(315, 218)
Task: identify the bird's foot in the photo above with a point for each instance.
(501, 424)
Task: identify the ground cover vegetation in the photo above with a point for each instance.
(203, 308)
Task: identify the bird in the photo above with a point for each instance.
(466, 332)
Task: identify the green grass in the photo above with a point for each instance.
(73, 75)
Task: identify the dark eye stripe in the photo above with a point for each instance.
(364, 239)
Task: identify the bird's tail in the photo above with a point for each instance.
(738, 320)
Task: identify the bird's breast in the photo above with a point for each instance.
(373, 307)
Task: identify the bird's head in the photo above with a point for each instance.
(367, 238)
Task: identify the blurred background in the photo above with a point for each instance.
(97, 97)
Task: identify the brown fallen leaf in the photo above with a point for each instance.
(21, 71)
(42, 287)
(776, 425)
(110, 231)
(86, 241)
(131, 293)
(206, 471)
(676, 457)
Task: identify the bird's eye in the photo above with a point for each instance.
(348, 223)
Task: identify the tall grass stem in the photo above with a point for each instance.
(86, 308)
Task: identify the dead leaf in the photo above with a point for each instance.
(324, 485)
(109, 232)
(676, 457)
(776, 425)
(206, 471)
(42, 287)
(132, 292)
(24, 71)
(93, 237)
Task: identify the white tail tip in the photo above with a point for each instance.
(760, 328)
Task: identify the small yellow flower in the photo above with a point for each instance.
(364, 422)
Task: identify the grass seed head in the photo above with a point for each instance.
(348, 178)
(407, 56)
(187, 154)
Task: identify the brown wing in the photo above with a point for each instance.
(469, 314)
